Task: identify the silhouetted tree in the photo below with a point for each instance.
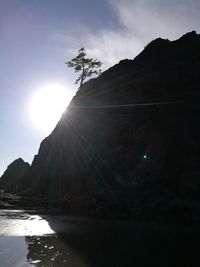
(86, 66)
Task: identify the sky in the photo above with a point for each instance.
(38, 36)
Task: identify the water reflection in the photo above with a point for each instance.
(13, 251)
(116, 245)
(45, 241)
(48, 251)
(20, 223)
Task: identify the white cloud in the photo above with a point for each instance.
(110, 47)
(150, 19)
(141, 21)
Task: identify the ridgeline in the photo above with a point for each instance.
(128, 143)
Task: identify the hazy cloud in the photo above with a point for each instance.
(140, 22)
(153, 18)
(110, 47)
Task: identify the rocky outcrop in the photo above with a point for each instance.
(129, 139)
(11, 178)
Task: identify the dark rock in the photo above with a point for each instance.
(130, 138)
(11, 178)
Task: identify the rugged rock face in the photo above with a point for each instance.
(11, 178)
(129, 138)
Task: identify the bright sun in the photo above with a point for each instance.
(47, 106)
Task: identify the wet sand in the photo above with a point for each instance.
(47, 240)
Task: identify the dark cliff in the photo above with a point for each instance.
(129, 138)
(11, 179)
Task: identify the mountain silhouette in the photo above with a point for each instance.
(129, 139)
(11, 178)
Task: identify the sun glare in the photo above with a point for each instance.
(47, 106)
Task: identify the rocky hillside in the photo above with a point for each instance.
(11, 178)
(130, 138)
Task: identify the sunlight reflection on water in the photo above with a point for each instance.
(28, 240)
(17, 223)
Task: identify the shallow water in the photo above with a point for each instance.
(29, 240)
(45, 241)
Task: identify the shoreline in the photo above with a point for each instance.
(107, 213)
